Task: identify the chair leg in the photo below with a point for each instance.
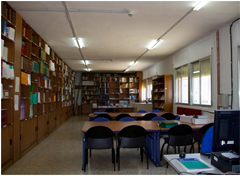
(86, 156)
(119, 158)
(90, 152)
(113, 158)
(141, 151)
(185, 148)
(85, 159)
(178, 149)
(161, 154)
(147, 156)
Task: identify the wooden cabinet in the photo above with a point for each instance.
(162, 93)
(7, 144)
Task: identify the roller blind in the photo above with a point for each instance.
(178, 73)
(185, 71)
(205, 67)
(196, 70)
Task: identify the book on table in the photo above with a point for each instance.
(167, 124)
(194, 165)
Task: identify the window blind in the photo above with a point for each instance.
(206, 67)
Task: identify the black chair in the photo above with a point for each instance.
(121, 116)
(169, 116)
(179, 135)
(148, 116)
(99, 137)
(133, 136)
(104, 115)
(199, 138)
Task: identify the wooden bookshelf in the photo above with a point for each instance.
(46, 90)
(106, 89)
(162, 93)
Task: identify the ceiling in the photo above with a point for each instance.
(112, 39)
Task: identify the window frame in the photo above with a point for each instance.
(175, 87)
(200, 83)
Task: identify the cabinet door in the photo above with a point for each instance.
(42, 125)
(52, 121)
(32, 125)
(6, 142)
(24, 135)
(59, 120)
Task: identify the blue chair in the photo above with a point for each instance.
(99, 111)
(177, 118)
(158, 118)
(207, 141)
(199, 138)
(156, 110)
(121, 116)
(101, 119)
(127, 119)
(141, 111)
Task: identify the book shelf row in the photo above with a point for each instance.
(37, 87)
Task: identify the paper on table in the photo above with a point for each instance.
(230, 155)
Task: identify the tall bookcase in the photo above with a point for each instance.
(8, 25)
(105, 89)
(162, 93)
(37, 88)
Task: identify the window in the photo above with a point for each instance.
(144, 91)
(201, 82)
(182, 85)
(149, 88)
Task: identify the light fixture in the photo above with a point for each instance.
(125, 70)
(88, 69)
(153, 44)
(133, 63)
(85, 62)
(199, 5)
(78, 41)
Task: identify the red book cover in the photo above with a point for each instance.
(23, 49)
(4, 117)
(39, 84)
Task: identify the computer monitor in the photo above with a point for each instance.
(226, 131)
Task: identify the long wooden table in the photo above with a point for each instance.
(150, 126)
(132, 114)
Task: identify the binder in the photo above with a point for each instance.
(167, 124)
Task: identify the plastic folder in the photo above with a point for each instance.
(167, 124)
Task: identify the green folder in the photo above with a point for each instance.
(167, 124)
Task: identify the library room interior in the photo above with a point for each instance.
(120, 87)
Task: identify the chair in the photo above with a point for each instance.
(156, 110)
(179, 135)
(127, 119)
(104, 115)
(99, 111)
(141, 111)
(121, 116)
(148, 116)
(158, 118)
(207, 141)
(101, 119)
(99, 137)
(133, 136)
(169, 116)
(198, 138)
(177, 118)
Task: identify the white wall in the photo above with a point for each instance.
(201, 49)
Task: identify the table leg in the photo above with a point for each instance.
(83, 151)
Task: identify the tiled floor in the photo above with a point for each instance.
(61, 153)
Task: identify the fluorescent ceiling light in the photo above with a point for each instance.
(133, 63)
(196, 72)
(125, 70)
(88, 69)
(199, 5)
(153, 44)
(85, 62)
(78, 41)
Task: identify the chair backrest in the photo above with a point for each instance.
(99, 137)
(180, 135)
(133, 136)
(104, 115)
(121, 116)
(101, 119)
(156, 110)
(99, 111)
(206, 147)
(158, 118)
(204, 129)
(169, 116)
(127, 119)
(141, 111)
(148, 116)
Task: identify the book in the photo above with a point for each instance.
(5, 53)
(167, 124)
(22, 109)
(10, 32)
(23, 48)
(194, 165)
(2, 45)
